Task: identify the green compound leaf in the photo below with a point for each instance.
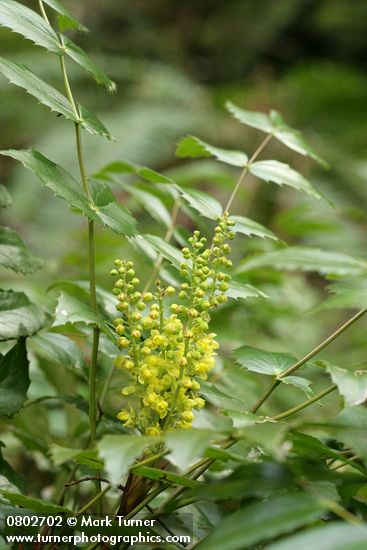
(5, 198)
(282, 174)
(349, 293)
(150, 202)
(14, 379)
(7, 471)
(201, 202)
(299, 382)
(119, 453)
(60, 455)
(266, 435)
(107, 211)
(194, 147)
(274, 124)
(82, 58)
(65, 18)
(243, 419)
(219, 398)
(331, 536)
(23, 77)
(307, 259)
(263, 362)
(352, 385)
(293, 138)
(186, 446)
(59, 348)
(72, 310)
(127, 167)
(40, 506)
(18, 316)
(260, 121)
(91, 123)
(262, 521)
(14, 254)
(29, 24)
(238, 290)
(249, 227)
(168, 251)
(166, 476)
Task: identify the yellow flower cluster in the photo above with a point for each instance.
(165, 354)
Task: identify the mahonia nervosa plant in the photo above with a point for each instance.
(164, 354)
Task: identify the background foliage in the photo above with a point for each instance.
(175, 64)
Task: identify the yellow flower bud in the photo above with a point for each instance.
(153, 431)
(161, 408)
(158, 340)
(170, 291)
(146, 372)
(188, 416)
(120, 329)
(119, 362)
(124, 415)
(185, 425)
(200, 403)
(124, 342)
(128, 390)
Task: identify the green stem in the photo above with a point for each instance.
(94, 500)
(107, 385)
(167, 238)
(305, 404)
(244, 172)
(82, 168)
(306, 358)
(203, 463)
(43, 11)
(92, 388)
(91, 255)
(67, 84)
(149, 459)
(178, 386)
(146, 501)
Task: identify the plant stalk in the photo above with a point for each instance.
(94, 500)
(306, 358)
(91, 254)
(240, 180)
(167, 238)
(305, 404)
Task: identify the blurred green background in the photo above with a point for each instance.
(175, 64)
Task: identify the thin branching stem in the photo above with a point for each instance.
(305, 404)
(93, 501)
(167, 238)
(275, 383)
(91, 253)
(244, 172)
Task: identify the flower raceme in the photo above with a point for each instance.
(166, 349)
